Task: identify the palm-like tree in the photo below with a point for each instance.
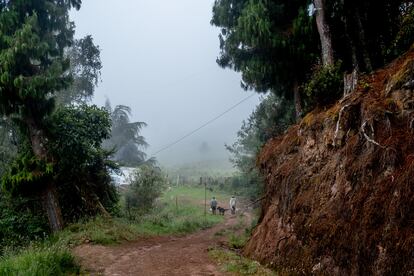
(126, 140)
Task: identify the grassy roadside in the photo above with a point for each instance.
(229, 258)
(179, 211)
(39, 260)
(235, 264)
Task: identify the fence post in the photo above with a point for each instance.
(205, 198)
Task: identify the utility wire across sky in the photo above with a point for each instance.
(202, 126)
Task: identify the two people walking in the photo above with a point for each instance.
(214, 206)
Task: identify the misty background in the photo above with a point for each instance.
(159, 59)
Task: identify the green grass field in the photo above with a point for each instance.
(197, 195)
(179, 211)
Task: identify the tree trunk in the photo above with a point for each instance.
(49, 194)
(100, 207)
(298, 101)
(324, 33)
(351, 79)
(350, 82)
(361, 33)
(51, 205)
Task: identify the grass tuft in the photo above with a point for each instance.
(39, 261)
(237, 241)
(234, 263)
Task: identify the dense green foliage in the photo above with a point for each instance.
(272, 43)
(20, 221)
(26, 174)
(33, 37)
(84, 183)
(77, 133)
(325, 85)
(81, 167)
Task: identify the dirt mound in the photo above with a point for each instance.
(340, 186)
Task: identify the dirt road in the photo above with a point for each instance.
(186, 255)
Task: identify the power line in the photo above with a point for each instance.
(203, 125)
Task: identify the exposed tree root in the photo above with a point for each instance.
(366, 135)
(411, 125)
(338, 124)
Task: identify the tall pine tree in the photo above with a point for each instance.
(33, 37)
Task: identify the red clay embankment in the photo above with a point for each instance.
(340, 186)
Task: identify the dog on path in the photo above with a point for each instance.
(221, 210)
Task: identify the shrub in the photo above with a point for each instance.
(325, 85)
(146, 186)
(237, 242)
(234, 263)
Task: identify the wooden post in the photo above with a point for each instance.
(205, 198)
(176, 203)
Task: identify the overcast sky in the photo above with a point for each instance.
(159, 59)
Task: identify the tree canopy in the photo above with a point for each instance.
(85, 71)
(275, 44)
(272, 43)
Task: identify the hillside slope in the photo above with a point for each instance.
(340, 186)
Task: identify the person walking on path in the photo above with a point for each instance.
(233, 205)
(213, 205)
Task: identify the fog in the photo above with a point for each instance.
(159, 59)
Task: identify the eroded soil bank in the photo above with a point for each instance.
(340, 185)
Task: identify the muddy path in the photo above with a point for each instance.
(170, 255)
